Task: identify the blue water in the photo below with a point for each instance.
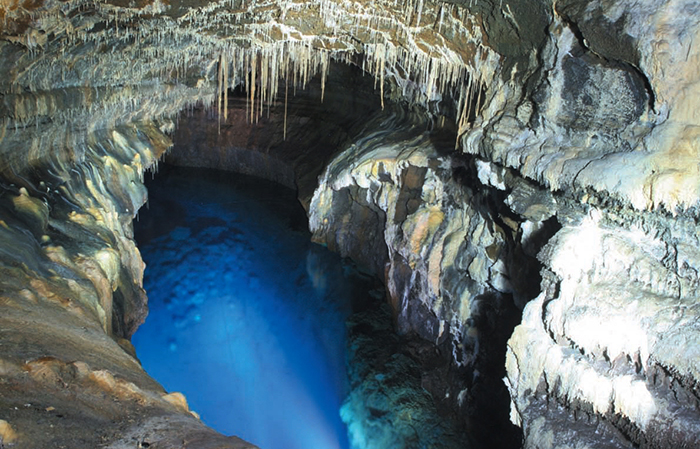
(247, 316)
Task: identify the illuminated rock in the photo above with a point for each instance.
(612, 338)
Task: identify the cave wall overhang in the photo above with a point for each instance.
(521, 82)
(611, 112)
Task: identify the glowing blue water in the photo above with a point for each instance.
(247, 317)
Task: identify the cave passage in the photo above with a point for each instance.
(247, 316)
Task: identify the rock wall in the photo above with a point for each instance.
(72, 296)
(456, 260)
(604, 355)
(608, 350)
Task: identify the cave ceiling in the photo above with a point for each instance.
(76, 66)
(125, 53)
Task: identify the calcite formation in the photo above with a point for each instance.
(611, 339)
(519, 159)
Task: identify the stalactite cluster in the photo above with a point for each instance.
(428, 49)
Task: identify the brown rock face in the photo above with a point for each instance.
(474, 154)
(72, 297)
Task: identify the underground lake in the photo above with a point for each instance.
(247, 316)
(273, 338)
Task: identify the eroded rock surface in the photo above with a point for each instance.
(612, 338)
(451, 251)
(71, 299)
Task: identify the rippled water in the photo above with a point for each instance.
(247, 316)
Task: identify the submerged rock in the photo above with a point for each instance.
(388, 406)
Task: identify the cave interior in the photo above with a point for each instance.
(516, 184)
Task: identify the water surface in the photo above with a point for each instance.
(247, 316)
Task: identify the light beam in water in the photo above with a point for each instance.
(247, 316)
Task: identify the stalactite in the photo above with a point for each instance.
(253, 82)
(264, 63)
(294, 81)
(218, 90)
(324, 72)
(225, 76)
(382, 62)
(286, 92)
(460, 104)
(420, 12)
(246, 74)
(478, 97)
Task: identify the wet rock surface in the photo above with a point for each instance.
(71, 298)
(389, 404)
